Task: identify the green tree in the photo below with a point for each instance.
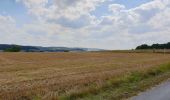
(14, 48)
(143, 46)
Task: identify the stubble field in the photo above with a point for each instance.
(52, 76)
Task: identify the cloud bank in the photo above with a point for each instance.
(72, 23)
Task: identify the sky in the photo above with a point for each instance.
(105, 24)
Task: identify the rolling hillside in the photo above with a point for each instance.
(47, 49)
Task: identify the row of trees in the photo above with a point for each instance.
(14, 48)
(154, 46)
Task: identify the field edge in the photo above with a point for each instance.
(123, 87)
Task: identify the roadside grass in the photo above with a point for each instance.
(122, 87)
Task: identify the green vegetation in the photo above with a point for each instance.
(66, 50)
(123, 87)
(154, 46)
(14, 48)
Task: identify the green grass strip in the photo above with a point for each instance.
(122, 87)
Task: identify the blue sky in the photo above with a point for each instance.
(124, 24)
(130, 3)
(17, 10)
(103, 9)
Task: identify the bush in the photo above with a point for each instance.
(14, 48)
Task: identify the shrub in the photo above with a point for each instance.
(14, 48)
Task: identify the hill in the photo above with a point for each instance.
(46, 49)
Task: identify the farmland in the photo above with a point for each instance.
(52, 76)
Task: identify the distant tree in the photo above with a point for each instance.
(14, 48)
(66, 50)
(143, 46)
(155, 46)
(167, 46)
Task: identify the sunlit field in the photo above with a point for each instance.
(52, 76)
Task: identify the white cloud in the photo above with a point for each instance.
(33, 3)
(115, 8)
(11, 34)
(70, 23)
(70, 9)
(6, 22)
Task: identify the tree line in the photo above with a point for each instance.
(154, 46)
(13, 48)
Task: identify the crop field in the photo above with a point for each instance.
(68, 76)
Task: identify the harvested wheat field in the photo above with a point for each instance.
(53, 76)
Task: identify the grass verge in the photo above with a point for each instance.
(122, 87)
